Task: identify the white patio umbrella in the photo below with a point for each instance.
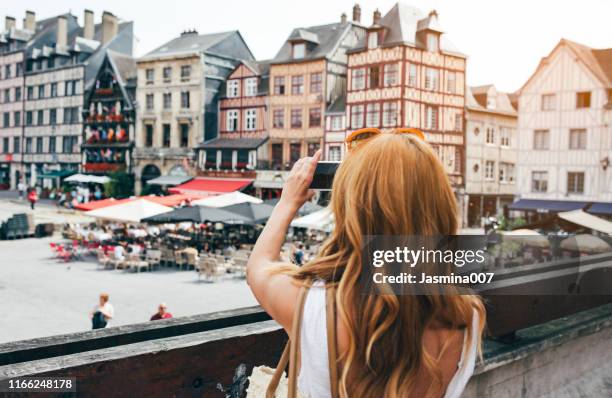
(585, 243)
(527, 237)
(226, 199)
(132, 211)
(87, 178)
(322, 220)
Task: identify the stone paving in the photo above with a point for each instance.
(41, 296)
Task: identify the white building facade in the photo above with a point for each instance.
(491, 153)
(565, 144)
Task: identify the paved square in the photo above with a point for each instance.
(41, 296)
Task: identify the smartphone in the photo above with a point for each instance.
(324, 175)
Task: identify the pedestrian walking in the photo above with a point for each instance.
(32, 197)
(102, 312)
(21, 187)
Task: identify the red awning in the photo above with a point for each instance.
(98, 204)
(210, 186)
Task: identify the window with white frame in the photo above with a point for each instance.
(251, 119)
(458, 122)
(167, 100)
(233, 87)
(491, 102)
(167, 73)
(185, 100)
(541, 139)
(251, 87)
(336, 123)
(539, 181)
(489, 170)
(451, 82)
(357, 116)
(149, 102)
(505, 138)
(390, 114)
(390, 77)
(577, 139)
(431, 79)
(358, 79)
(335, 153)
(490, 137)
(299, 50)
(231, 122)
(150, 75)
(432, 42)
(185, 72)
(412, 75)
(575, 182)
(431, 117)
(549, 102)
(506, 172)
(372, 39)
(373, 115)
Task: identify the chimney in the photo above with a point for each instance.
(343, 18)
(189, 32)
(88, 25)
(109, 27)
(376, 17)
(9, 23)
(29, 23)
(61, 40)
(356, 13)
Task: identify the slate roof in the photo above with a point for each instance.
(322, 41)
(234, 143)
(476, 100)
(402, 23)
(190, 42)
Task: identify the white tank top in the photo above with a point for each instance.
(313, 380)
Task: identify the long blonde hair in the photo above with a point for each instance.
(392, 185)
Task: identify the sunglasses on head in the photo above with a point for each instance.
(362, 135)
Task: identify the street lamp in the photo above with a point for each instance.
(605, 162)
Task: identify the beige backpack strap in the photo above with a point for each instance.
(278, 372)
(332, 348)
(291, 352)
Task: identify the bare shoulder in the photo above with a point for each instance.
(277, 294)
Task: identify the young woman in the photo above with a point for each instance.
(389, 346)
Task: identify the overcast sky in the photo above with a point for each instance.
(504, 40)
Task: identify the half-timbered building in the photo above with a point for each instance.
(565, 130)
(406, 73)
(243, 121)
(109, 115)
(307, 75)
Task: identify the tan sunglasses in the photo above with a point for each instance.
(362, 135)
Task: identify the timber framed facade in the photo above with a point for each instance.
(406, 74)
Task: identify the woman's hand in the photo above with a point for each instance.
(295, 192)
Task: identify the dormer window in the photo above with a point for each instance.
(372, 39)
(232, 88)
(299, 50)
(433, 42)
(251, 86)
(491, 103)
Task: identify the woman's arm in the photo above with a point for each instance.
(276, 293)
